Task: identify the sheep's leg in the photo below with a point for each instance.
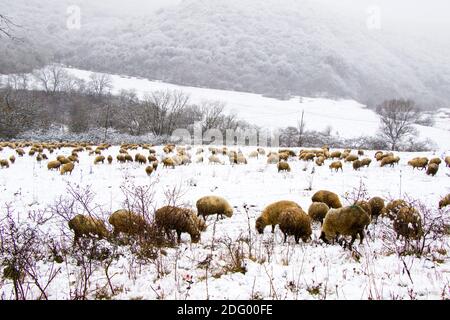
(353, 240)
(285, 237)
(273, 228)
(297, 239)
(178, 236)
(361, 236)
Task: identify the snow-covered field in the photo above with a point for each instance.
(273, 270)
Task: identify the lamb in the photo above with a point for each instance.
(444, 201)
(317, 211)
(408, 224)
(271, 213)
(418, 162)
(295, 222)
(283, 166)
(128, 222)
(435, 160)
(181, 220)
(347, 221)
(4, 163)
(53, 165)
(329, 198)
(68, 167)
(432, 169)
(210, 205)
(169, 162)
(336, 165)
(99, 159)
(87, 226)
(377, 207)
(149, 170)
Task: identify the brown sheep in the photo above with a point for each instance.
(317, 211)
(356, 165)
(347, 221)
(181, 220)
(432, 169)
(152, 158)
(271, 213)
(140, 158)
(120, 158)
(335, 155)
(4, 163)
(39, 157)
(261, 151)
(351, 157)
(295, 222)
(272, 159)
(20, 152)
(68, 167)
(418, 162)
(12, 159)
(376, 207)
(72, 158)
(128, 158)
(336, 165)
(320, 160)
(110, 159)
(211, 205)
(155, 165)
(87, 226)
(283, 166)
(378, 154)
(99, 159)
(390, 160)
(447, 161)
(365, 206)
(445, 201)
(128, 222)
(149, 170)
(253, 154)
(435, 160)
(53, 165)
(328, 197)
(365, 162)
(360, 152)
(408, 223)
(393, 207)
(168, 162)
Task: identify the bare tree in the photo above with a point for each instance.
(397, 118)
(6, 26)
(212, 113)
(100, 83)
(53, 78)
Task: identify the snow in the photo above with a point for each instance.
(285, 271)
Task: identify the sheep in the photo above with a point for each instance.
(418, 162)
(88, 226)
(351, 157)
(360, 152)
(435, 160)
(271, 213)
(152, 158)
(378, 154)
(210, 205)
(181, 220)
(390, 160)
(365, 162)
(336, 165)
(71, 158)
(68, 167)
(295, 222)
(408, 223)
(261, 151)
(120, 158)
(273, 159)
(288, 151)
(140, 158)
(445, 201)
(317, 211)
(4, 163)
(110, 159)
(283, 166)
(214, 159)
(99, 159)
(168, 162)
(308, 156)
(39, 157)
(128, 222)
(357, 164)
(327, 197)
(432, 169)
(365, 206)
(320, 160)
(128, 158)
(377, 207)
(53, 165)
(155, 165)
(335, 155)
(447, 161)
(20, 152)
(12, 159)
(253, 154)
(393, 207)
(149, 170)
(347, 221)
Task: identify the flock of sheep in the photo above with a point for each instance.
(326, 207)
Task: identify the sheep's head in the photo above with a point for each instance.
(229, 212)
(195, 236)
(260, 225)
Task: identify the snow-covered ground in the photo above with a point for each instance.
(346, 118)
(274, 270)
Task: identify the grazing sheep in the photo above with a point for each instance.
(72, 158)
(4, 163)
(336, 165)
(152, 158)
(99, 159)
(210, 205)
(128, 158)
(121, 158)
(308, 156)
(253, 154)
(365, 162)
(53, 165)
(317, 211)
(435, 160)
(365, 206)
(155, 165)
(149, 170)
(271, 213)
(351, 157)
(20, 152)
(283, 166)
(295, 222)
(445, 201)
(273, 159)
(328, 197)
(418, 162)
(168, 162)
(335, 155)
(261, 151)
(140, 159)
(320, 160)
(128, 222)
(68, 167)
(376, 207)
(63, 159)
(357, 164)
(39, 157)
(181, 220)
(390, 160)
(87, 226)
(360, 152)
(432, 169)
(214, 159)
(347, 221)
(110, 159)
(393, 207)
(408, 224)
(12, 159)
(447, 161)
